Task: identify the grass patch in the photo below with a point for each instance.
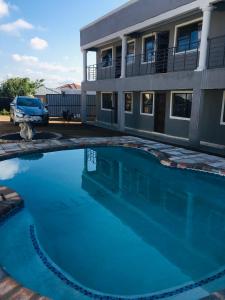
(4, 112)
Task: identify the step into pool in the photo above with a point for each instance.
(113, 223)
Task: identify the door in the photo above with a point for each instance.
(160, 112)
(162, 52)
(118, 61)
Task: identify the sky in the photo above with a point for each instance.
(41, 38)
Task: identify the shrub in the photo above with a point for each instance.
(4, 112)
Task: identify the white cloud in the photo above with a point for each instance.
(38, 44)
(16, 27)
(55, 74)
(10, 168)
(42, 65)
(25, 58)
(4, 8)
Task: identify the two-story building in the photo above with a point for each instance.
(160, 70)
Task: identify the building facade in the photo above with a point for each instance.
(160, 70)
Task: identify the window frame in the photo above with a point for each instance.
(129, 42)
(104, 49)
(102, 108)
(132, 103)
(144, 37)
(176, 34)
(153, 104)
(171, 104)
(222, 122)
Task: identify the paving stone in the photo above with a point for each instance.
(7, 285)
(11, 147)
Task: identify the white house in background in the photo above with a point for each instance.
(42, 91)
(70, 88)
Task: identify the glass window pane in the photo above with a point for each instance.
(189, 36)
(107, 58)
(182, 105)
(147, 103)
(149, 48)
(128, 102)
(107, 101)
(130, 52)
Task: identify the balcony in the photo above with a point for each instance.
(161, 61)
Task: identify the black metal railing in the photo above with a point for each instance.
(216, 52)
(160, 61)
(163, 61)
(104, 71)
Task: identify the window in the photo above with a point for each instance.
(128, 102)
(188, 36)
(107, 58)
(222, 121)
(107, 101)
(149, 48)
(130, 52)
(147, 103)
(181, 105)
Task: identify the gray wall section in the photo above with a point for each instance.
(211, 130)
(175, 127)
(105, 116)
(136, 120)
(135, 13)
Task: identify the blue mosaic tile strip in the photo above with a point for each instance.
(94, 295)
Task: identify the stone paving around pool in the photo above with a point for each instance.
(169, 156)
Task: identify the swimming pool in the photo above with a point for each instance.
(113, 221)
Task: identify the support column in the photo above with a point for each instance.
(84, 65)
(121, 111)
(207, 13)
(124, 55)
(195, 121)
(83, 106)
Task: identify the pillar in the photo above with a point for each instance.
(84, 65)
(207, 13)
(195, 121)
(83, 106)
(124, 56)
(121, 111)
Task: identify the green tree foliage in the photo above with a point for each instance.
(19, 87)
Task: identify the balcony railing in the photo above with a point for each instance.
(216, 52)
(101, 71)
(161, 61)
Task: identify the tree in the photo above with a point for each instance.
(19, 87)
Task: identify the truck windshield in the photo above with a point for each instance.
(32, 102)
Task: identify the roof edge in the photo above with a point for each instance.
(130, 2)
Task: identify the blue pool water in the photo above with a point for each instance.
(113, 221)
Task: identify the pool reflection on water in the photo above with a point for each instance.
(116, 221)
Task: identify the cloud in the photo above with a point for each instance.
(16, 27)
(10, 168)
(25, 58)
(38, 44)
(4, 8)
(34, 62)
